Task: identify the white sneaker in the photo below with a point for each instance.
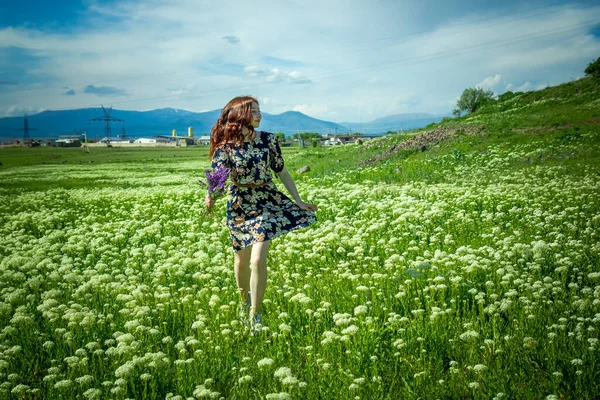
(256, 323)
(245, 308)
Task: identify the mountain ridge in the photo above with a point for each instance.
(53, 123)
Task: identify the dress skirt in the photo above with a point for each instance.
(257, 214)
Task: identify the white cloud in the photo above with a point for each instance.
(490, 82)
(181, 90)
(525, 87)
(105, 91)
(274, 75)
(314, 110)
(180, 54)
(266, 100)
(17, 110)
(176, 91)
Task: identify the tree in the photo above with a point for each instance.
(593, 69)
(307, 135)
(280, 136)
(471, 99)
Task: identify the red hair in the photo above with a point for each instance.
(228, 128)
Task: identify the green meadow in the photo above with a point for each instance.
(458, 261)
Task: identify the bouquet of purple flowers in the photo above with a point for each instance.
(215, 182)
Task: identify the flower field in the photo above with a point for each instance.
(471, 272)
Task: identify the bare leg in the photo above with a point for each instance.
(242, 271)
(258, 279)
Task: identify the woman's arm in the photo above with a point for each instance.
(289, 184)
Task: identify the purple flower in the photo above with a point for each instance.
(216, 181)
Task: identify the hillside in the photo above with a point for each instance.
(544, 119)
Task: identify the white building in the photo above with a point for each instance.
(66, 141)
(114, 140)
(333, 142)
(205, 140)
(145, 140)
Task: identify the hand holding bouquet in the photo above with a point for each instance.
(215, 182)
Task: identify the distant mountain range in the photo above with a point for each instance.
(394, 123)
(51, 124)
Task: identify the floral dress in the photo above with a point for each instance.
(256, 214)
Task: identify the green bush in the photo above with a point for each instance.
(593, 69)
(508, 95)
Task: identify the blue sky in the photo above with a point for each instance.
(343, 61)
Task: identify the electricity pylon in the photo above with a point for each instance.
(107, 121)
(26, 129)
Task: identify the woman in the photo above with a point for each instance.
(257, 211)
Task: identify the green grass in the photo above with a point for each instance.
(469, 270)
(23, 156)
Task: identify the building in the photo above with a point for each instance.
(204, 140)
(180, 140)
(332, 142)
(114, 140)
(68, 141)
(144, 140)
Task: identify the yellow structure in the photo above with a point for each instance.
(190, 131)
(174, 133)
